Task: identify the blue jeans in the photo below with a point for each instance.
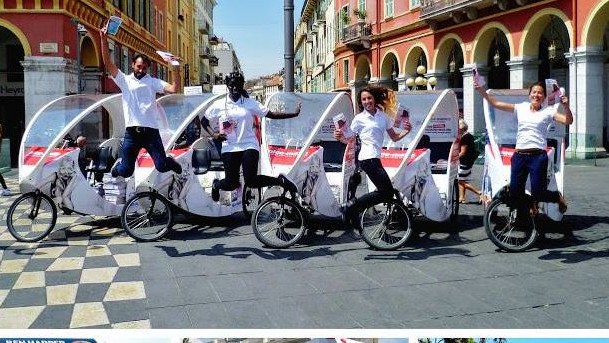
(149, 139)
(535, 164)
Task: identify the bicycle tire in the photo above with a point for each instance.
(289, 219)
(382, 233)
(149, 208)
(19, 226)
(250, 200)
(500, 224)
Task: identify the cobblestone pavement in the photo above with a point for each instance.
(89, 274)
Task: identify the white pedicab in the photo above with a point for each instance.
(49, 173)
(499, 218)
(423, 166)
(305, 151)
(149, 214)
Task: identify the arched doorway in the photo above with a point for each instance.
(553, 44)
(498, 54)
(389, 71)
(12, 105)
(416, 68)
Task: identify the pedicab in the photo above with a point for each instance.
(149, 214)
(316, 166)
(423, 167)
(49, 173)
(502, 225)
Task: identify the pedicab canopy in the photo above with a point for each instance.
(287, 141)
(176, 112)
(431, 113)
(179, 110)
(44, 135)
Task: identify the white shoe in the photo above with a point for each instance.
(6, 192)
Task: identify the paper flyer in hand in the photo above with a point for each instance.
(553, 92)
(402, 117)
(479, 79)
(114, 23)
(169, 57)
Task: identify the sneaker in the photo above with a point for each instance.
(562, 203)
(114, 170)
(5, 192)
(215, 190)
(344, 210)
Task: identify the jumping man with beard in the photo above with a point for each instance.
(141, 110)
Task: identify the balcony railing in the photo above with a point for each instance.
(204, 52)
(357, 36)
(203, 26)
(433, 8)
(213, 60)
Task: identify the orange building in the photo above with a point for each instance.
(435, 43)
(43, 41)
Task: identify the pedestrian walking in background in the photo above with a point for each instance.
(467, 157)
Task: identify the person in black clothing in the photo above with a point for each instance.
(467, 156)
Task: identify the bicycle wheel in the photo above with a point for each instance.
(147, 216)
(386, 226)
(31, 217)
(454, 209)
(278, 222)
(250, 200)
(506, 231)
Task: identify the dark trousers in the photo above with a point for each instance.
(379, 177)
(149, 139)
(535, 165)
(249, 160)
(2, 182)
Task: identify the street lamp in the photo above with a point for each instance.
(410, 83)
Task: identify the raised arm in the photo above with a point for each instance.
(112, 69)
(174, 86)
(504, 106)
(284, 115)
(565, 117)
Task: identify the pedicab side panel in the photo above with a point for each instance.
(304, 148)
(501, 127)
(425, 175)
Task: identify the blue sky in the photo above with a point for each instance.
(255, 28)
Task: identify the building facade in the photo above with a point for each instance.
(226, 60)
(314, 47)
(60, 54)
(421, 44)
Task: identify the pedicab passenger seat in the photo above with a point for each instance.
(439, 151)
(206, 159)
(334, 152)
(102, 161)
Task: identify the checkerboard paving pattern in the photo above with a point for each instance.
(86, 274)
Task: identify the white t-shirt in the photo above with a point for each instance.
(139, 99)
(532, 126)
(236, 121)
(371, 130)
